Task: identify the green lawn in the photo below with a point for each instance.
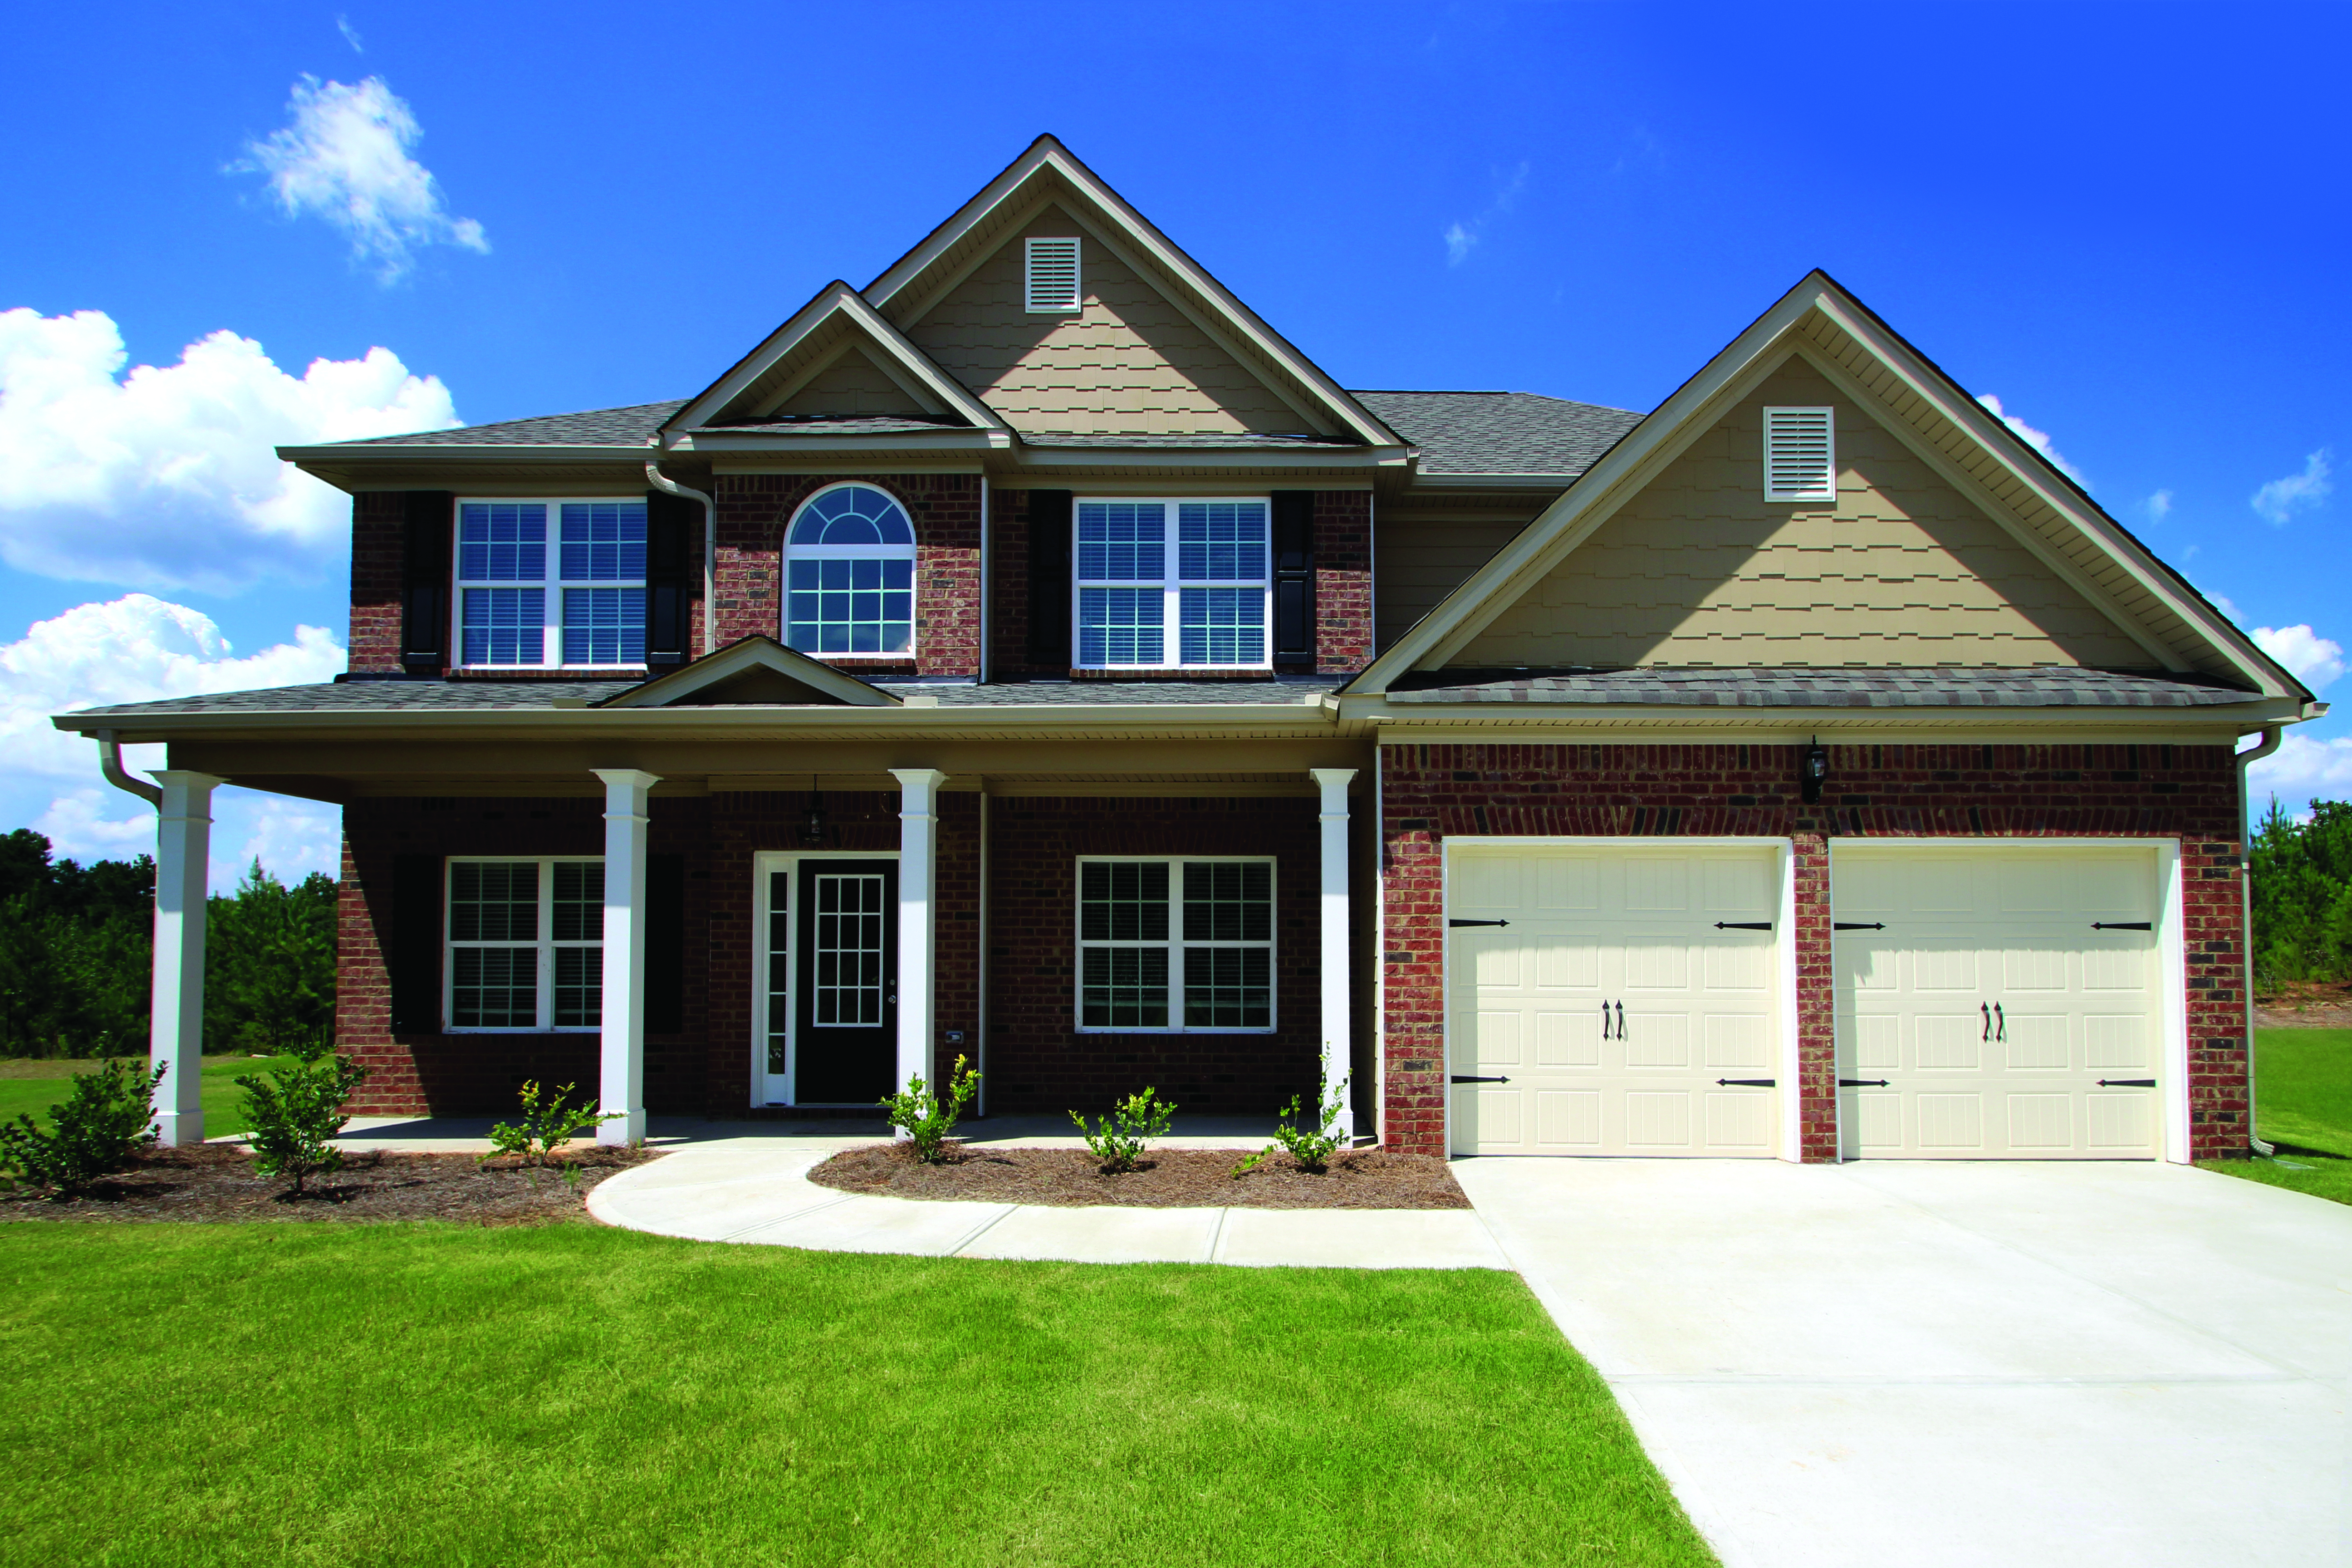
(2303, 1104)
(35, 1085)
(333, 1394)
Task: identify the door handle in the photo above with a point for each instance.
(1862, 1083)
(1986, 1010)
(1604, 1022)
(1999, 1023)
(1621, 1020)
(1748, 1082)
(2127, 1083)
(1466, 1078)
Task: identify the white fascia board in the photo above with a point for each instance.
(780, 443)
(1137, 232)
(485, 453)
(1932, 387)
(1206, 458)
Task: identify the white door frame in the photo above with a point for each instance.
(763, 863)
(2171, 956)
(1784, 944)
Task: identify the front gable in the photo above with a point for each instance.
(1696, 568)
(754, 671)
(1950, 542)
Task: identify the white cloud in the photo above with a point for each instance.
(2158, 506)
(164, 477)
(350, 35)
(2303, 769)
(136, 649)
(2314, 659)
(2278, 501)
(1462, 237)
(345, 157)
(2040, 441)
(2226, 608)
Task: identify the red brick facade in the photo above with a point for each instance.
(1433, 792)
(379, 545)
(755, 508)
(1343, 581)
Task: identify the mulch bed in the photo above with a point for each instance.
(217, 1182)
(1164, 1178)
(2306, 1004)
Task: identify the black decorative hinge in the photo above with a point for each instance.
(1743, 925)
(1460, 1077)
(2127, 1083)
(1857, 925)
(2121, 925)
(1862, 1083)
(1478, 922)
(1750, 1082)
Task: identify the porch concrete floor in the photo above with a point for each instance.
(1944, 1363)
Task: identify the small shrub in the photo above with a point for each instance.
(1120, 1139)
(925, 1117)
(106, 1118)
(1311, 1150)
(295, 1119)
(544, 1129)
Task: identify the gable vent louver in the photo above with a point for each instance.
(1800, 456)
(1053, 275)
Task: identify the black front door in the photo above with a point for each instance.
(847, 1048)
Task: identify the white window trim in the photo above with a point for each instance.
(547, 944)
(1029, 276)
(1824, 492)
(787, 553)
(552, 608)
(763, 1087)
(1171, 631)
(1176, 944)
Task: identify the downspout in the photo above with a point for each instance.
(2272, 734)
(987, 583)
(109, 762)
(655, 478)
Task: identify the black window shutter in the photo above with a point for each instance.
(664, 943)
(414, 944)
(670, 522)
(425, 579)
(1049, 577)
(1293, 578)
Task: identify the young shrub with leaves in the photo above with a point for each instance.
(544, 1129)
(926, 1119)
(104, 1119)
(1311, 1150)
(1118, 1140)
(294, 1119)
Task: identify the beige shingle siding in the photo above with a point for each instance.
(1426, 554)
(1698, 569)
(1129, 363)
(852, 384)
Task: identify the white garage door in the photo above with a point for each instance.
(1612, 1001)
(1996, 1003)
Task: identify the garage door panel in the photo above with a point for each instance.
(1612, 1002)
(2039, 1042)
(1992, 1016)
(1569, 1119)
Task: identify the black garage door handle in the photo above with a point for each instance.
(2127, 1083)
(1862, 1083)
(1748, 1082)
(1460, 1077)
(1857, 925)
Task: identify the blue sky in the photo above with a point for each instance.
(2125, 223)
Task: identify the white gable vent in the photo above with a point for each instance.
(1053, 275)
(1800, 458)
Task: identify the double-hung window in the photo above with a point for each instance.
(526, 944)
(1170, 585)
(551, 584)
(1173, 945)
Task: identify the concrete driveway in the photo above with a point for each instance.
(1885, 1364)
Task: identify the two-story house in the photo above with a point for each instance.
(1033, 657)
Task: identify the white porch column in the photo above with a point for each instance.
(621, 1085)
(175, 1029)
(1337, 991)
(918, 839)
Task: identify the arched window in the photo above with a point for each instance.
(849, 575)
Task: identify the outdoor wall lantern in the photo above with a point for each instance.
(1816, 768)
(814, 826)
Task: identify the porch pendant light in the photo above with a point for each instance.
(813, 826)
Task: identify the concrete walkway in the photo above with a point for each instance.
(1954, 1365)
(756, 1189)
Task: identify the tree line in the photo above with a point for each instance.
(2302, 896)
(76, 944)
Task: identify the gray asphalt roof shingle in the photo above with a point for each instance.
(2051, 686)
(630, 426)
(1501, 432)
